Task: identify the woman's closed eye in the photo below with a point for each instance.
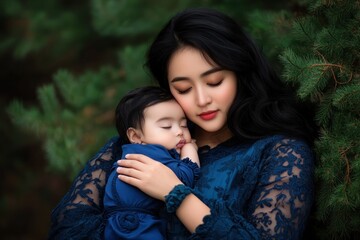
(184, 91)
(211, 84)
(215, 84)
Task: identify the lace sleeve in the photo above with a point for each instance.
(79, 213)
(280, 201)
(284, 195)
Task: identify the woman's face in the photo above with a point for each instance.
(204, 90)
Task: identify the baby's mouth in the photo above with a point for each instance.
(181, 143)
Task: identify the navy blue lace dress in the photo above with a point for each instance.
(131, 214)
(259, 190)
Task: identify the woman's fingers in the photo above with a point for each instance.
(137, 166)
(130, 176)
(150, 176)
(138, 157)
(136, 161)
(124, 163)
(130, 172)
(130, 180)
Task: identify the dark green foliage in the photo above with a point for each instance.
(324, 61)
(36, 26)
(74, 114)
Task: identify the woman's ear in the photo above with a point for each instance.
(134, 135)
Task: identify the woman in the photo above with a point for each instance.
(254, 142)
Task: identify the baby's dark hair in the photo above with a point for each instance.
(130, 110)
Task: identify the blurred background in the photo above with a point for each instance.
(65, 64)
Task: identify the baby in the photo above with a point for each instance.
(150, 122)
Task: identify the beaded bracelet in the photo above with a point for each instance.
(176, 196)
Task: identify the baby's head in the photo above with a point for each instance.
(150, 115)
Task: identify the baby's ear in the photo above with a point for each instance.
(134, 135)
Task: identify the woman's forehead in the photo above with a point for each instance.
(188, 60)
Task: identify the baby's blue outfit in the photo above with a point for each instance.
(130, 213)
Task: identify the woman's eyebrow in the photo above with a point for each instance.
(177, 79)
(213, 70)
(204, 74)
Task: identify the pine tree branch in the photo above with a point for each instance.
(331, 69)
(348, 169)
(327, 65)
(306, 34)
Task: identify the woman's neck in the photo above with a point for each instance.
(211, 139)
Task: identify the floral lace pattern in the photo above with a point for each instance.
(259, 191)
(284, 201)
(79, 215)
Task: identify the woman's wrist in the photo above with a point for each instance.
(176, 196)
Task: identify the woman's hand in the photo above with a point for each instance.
(150, 176)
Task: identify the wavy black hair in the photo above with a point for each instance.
(130, 109)
(264, 105)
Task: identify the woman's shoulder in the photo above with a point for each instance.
(266, 143)
(109, 150)
(274, 146)
(284, 148)
(260, 148)
(276, 141)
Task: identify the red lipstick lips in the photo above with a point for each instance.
(208, 115)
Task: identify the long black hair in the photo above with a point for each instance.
(264, 105)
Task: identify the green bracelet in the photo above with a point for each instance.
(176, 196)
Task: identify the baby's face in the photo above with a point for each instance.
(165, 124)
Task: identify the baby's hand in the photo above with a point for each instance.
(189, 146)
(190, 150)
(193, 143)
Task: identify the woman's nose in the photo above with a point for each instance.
(202, 97)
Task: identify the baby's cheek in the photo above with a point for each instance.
(188, 137)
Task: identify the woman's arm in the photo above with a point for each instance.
(79, 213)
(282, 201)
(194, 207)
